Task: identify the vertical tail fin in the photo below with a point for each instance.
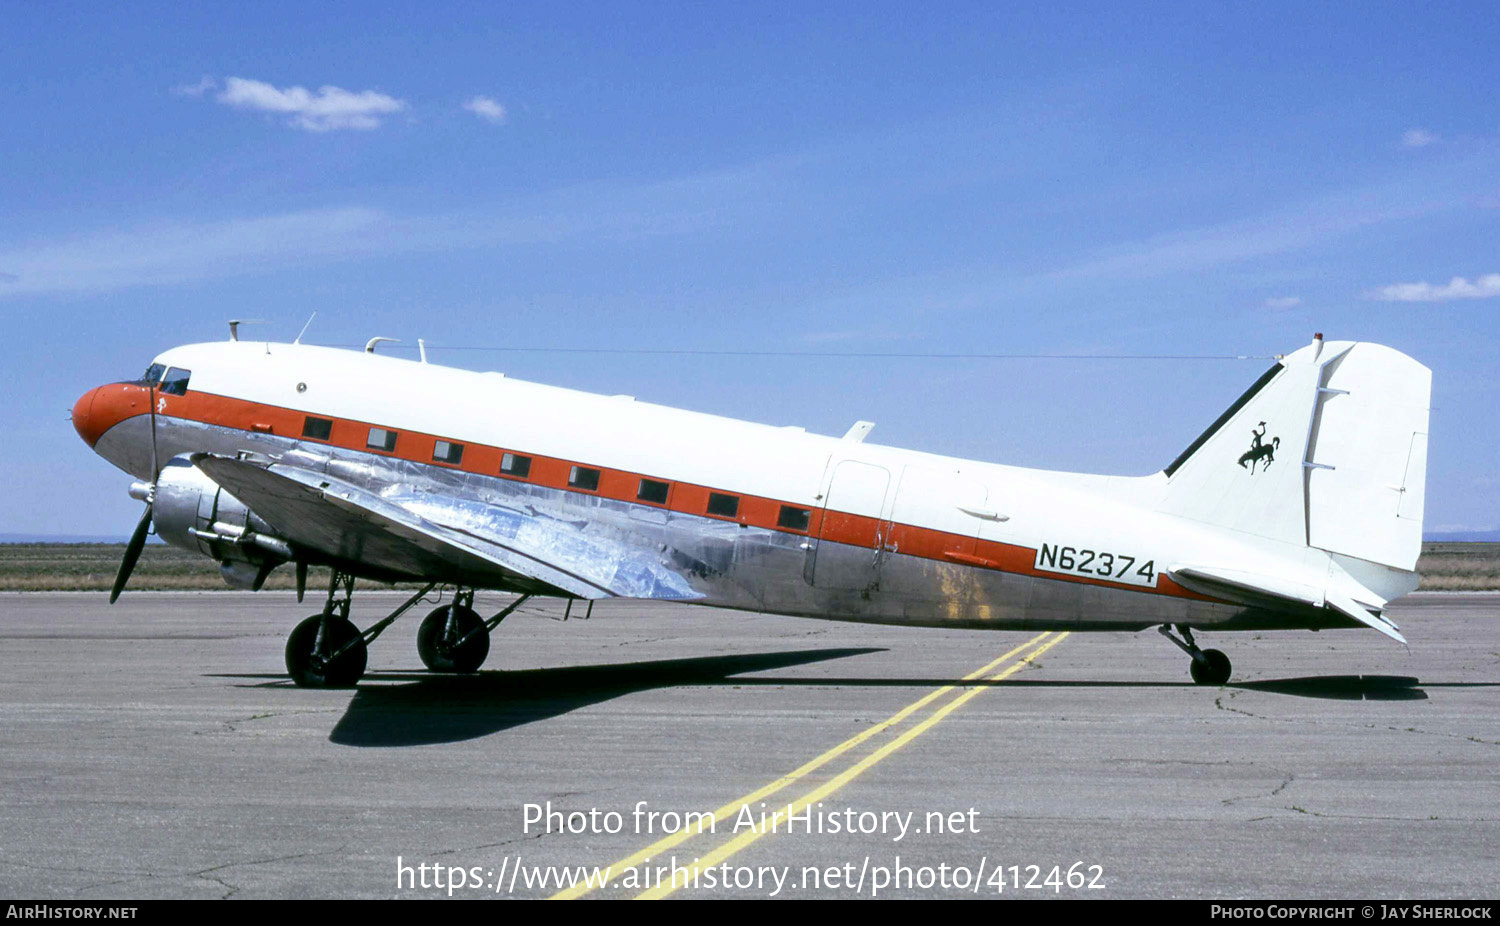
(1328, 449)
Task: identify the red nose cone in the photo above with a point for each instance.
(82, 419)
(100, 409)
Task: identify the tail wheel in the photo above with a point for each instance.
(326, 663)
(453, 639)
(1214, 669)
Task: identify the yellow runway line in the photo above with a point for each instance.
(739, 842)
(733, 807)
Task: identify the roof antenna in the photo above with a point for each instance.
(422, 349)
(305, 327)
(370, 344)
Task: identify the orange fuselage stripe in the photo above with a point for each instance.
(621, 485)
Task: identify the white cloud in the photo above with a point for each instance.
(1282, 302)
(1418, 138)
(487, 109)
(1485, 287)
(328, 109)
(196, 90)
(170, 252)
(1297, 227)
(167, 253)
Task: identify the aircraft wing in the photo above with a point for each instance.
(446, 539)
(1255, 589)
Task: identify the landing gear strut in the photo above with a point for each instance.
(1209, 666)
(454, 638)
(327, 650)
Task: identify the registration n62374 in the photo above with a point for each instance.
(1096, 564)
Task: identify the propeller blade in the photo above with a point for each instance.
(132, 553)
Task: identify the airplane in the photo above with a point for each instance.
(1299, 508)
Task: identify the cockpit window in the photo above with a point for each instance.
(153, 373)
(176, 381)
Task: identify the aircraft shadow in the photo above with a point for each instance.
(436, 709)
(1343, 687)
(431, 709)
(1327, 687)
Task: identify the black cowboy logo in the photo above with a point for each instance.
(1260, 452)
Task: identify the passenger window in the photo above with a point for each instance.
(583, 477)
(317, 428)
(725, 506)
(513, 464)
(792, 518)
(176, 381)
(381, 439)
(447, 452)
(653, 491)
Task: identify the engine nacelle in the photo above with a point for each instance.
(194, 513)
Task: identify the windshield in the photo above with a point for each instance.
(176, 381)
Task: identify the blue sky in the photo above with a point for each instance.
(862, 178)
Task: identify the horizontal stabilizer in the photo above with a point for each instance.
(1239, 585)
(1256, 589)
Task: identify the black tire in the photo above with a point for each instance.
(1213, 670)
(437, 636)
(311, 669)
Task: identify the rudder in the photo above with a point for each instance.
(1367, 466)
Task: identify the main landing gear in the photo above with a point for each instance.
(454, 638)
(1209, 666)
(328, 651)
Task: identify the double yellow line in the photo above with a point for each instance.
(1031, 649)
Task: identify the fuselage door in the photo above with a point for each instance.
(938, 515)
(854, 529)
(936, 518)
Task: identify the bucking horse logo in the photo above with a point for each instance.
(1260, 452)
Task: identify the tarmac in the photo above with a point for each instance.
(156, 749)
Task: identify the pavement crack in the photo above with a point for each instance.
(232, 724)
(489, 845)
(1219, 703)
(1286, 779)
(230, 889)
(209, 874)
(1384, 817)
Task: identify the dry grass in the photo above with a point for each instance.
(38, 567)
(1460, 566)
(91, 567)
